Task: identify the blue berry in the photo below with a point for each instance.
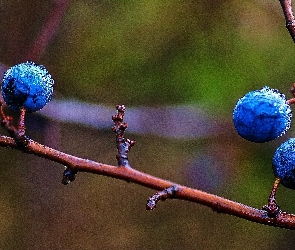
(262, 115)
(283, 163)
(27, 85)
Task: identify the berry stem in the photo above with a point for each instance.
(273, 192)
(272, 207)
(291, 101)
(21, 128)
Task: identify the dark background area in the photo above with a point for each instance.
(147, 54)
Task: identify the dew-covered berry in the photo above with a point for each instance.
(27, 85)
(283, 163)
(262, 115)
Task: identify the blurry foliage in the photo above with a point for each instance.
(158, 52)
(145, 52)
(171, 52)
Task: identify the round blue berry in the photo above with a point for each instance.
(27, 85)
(262, 115)
(283, 163)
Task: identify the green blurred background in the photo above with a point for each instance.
(156, 54)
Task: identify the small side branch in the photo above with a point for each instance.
(288, 13)
(123, 145)
(163, 195)
(272, 207)
(69, 175)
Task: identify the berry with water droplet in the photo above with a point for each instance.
(283, 163)
(262, 115)
(27, 85)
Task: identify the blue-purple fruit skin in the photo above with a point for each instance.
(262, 115)
(27, 85)
(283, 163)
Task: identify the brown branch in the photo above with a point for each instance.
(217, 203)
(268, 215)
(288, 13)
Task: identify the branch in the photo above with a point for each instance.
(269, 215)
(288, 13)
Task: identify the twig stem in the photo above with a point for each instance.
(21, 123)
(288, 13)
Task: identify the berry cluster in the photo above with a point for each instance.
(264, 115)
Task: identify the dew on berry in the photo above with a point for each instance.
(262, 115)
(27, 85)
(283, 163)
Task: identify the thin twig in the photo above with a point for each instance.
(288, 13)
(167, 193)
(272, 207)
(123, 145)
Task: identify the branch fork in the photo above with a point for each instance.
(17, 132)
